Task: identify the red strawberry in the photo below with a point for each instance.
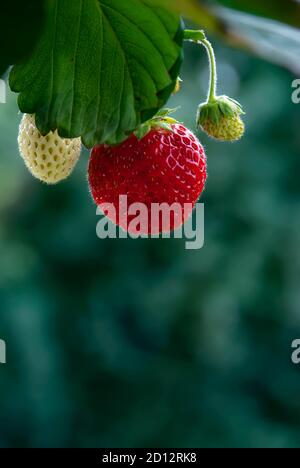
(165, 166)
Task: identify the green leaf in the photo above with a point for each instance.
(20, 26)
(101, 68)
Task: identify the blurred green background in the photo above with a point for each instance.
(141, 343)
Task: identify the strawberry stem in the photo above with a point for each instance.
(194, 35)
(213, 70)
(199, 37)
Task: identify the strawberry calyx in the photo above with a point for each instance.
(217, 109)
(161, 120)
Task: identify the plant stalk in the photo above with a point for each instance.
(199, 37)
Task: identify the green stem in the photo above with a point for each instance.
(199, 38)
(213, 70)
(194, 35)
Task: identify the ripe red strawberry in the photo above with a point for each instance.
(165, 166)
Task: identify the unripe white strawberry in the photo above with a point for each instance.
(49, 158)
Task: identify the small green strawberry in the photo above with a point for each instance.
(49, 158)
(221, 119)
(219, 116)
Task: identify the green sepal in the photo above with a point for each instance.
(142, 130)
(214, 111)
(165, 113)
(160, 120)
